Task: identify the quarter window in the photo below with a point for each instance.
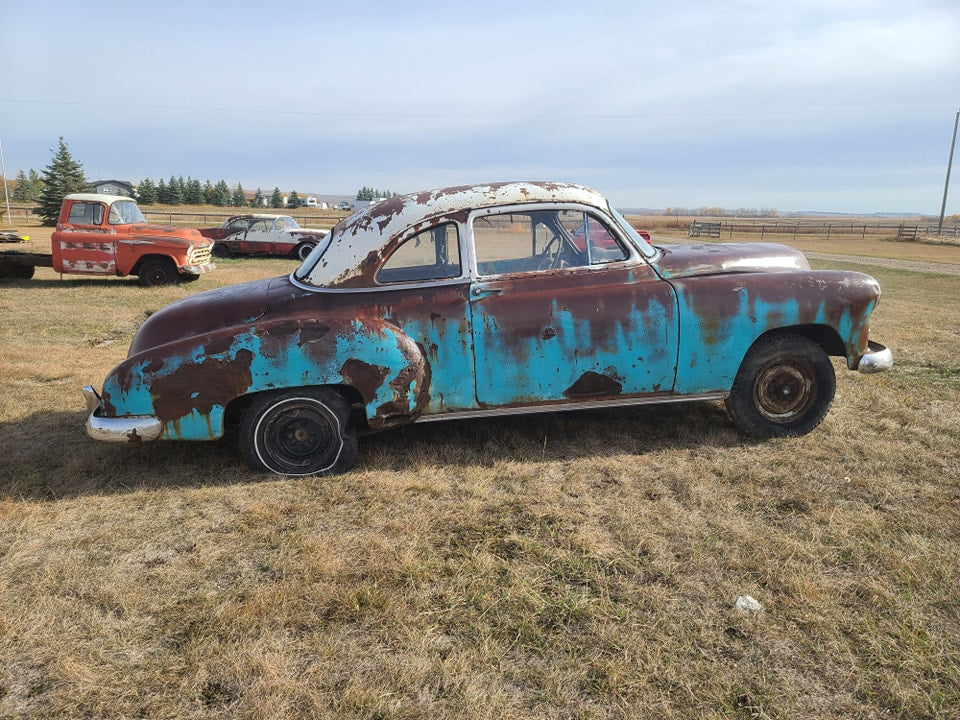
(433, 254)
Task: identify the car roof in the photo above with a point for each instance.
(97, 197)
(369, 234)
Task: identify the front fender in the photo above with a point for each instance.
(188, 384)
(722, 315)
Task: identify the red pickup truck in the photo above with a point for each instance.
(108, 235)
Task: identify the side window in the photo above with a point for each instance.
(260, 226)
(530, 241)
(591, 236)
(84, 213)
(238, 224)
(433, 254)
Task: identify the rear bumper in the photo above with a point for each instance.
(134, 428)
(877, 358)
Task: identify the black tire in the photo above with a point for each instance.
(158, 271)
(221, 251)
(303, 249)
(784, 387)
(304, 431)
(24, 272)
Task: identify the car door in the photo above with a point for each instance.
(260, 237)
(84, 247)
(563, 309)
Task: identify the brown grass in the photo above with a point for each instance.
(574, 565)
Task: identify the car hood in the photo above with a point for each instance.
(205, 312)
(680, 261)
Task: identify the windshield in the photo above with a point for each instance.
(125, 212)
(286, 223)
(645, 248)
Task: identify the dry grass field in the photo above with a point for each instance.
(577, 565)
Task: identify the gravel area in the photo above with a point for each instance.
(914, 265)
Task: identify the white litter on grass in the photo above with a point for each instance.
(747, 605)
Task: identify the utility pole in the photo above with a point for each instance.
(946, 185)
(3, 177)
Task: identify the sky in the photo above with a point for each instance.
(829, 105)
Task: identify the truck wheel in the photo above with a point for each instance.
(24, 272)
(221, 251)
(158, 271)
(784, 387)
(303, 249)
(303, 431)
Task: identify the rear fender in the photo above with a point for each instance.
(188, 384)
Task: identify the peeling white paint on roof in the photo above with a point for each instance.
(361, 239)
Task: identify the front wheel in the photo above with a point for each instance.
(784, 387)
(303, 249)
(303, 431)
(158, 271)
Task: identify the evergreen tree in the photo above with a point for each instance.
(209, 193)
(221, 194)
(276, 199)
(163, 194)
(258, 199)
(294, 200)
(193, 193)
(146, 192)
(239, 197)
(174, 192)
(21, 191)
(60, 178)
(36, 185)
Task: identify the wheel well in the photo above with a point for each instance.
(233, 413)
(823, 335)
(146, 258)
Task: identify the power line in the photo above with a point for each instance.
(472, 116)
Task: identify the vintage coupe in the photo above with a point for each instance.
(473, 301)
(258, 234)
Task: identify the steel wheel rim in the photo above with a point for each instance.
(785, 391)
(299, 435)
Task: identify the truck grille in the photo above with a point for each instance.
(199, 255)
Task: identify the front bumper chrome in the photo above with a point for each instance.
(877, 358)
(198, 269)
(133, 428)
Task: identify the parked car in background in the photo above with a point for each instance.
(254, 234)
(488, 300)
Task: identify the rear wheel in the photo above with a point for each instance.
(158, 271)
(784, 387)
(304, 431)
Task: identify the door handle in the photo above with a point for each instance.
(484, 290)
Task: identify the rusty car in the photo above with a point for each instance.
(262, 234)
(484, 300)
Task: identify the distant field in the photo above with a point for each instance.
(571, 565)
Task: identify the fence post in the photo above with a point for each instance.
(864, 232)
(795, 231)
(828, 233)
(763, 230)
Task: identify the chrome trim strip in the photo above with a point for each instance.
(877, 358)
(573, 405)
(136, 428)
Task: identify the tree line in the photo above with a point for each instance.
(64, 176)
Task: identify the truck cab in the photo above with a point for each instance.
(108, 235)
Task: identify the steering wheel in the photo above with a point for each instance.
(544, 260)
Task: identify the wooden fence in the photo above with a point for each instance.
(901, 231)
